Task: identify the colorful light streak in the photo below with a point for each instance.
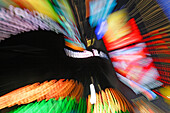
(137, 88)
(165, 93)
(125, 40)
(144, 106)
(27, 15)
(109, 101)
(85, 54)
(155, 18)
(45, 90)
(132, 62)
(165, 6)
(67, 105)
(161, 95)
(99, 10)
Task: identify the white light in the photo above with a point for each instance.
(93, 94)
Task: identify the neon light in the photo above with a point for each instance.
(54, 15)
(161, 95)
(67, 105)
(99, 10)
(85, 54)
(45, 90)
(109, 100)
